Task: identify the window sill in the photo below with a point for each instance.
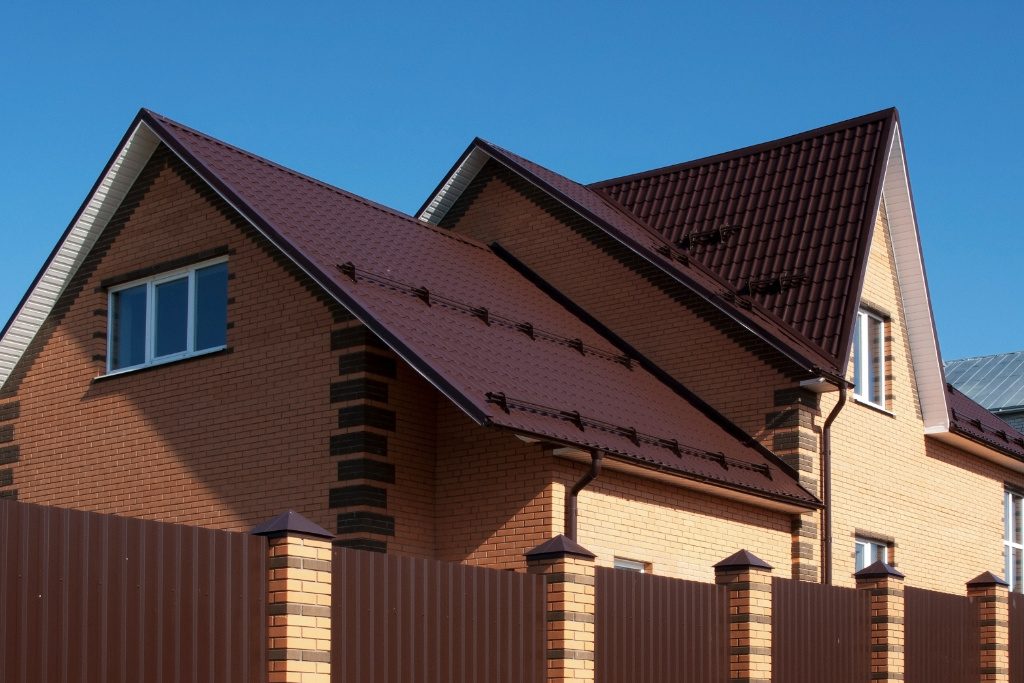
(219, 351)
(872, 406)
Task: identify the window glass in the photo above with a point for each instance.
(1013, 540)
(128, 328)
(630, 565)
(875, 360)
(171, 317)
(869, 359)
(211, 306)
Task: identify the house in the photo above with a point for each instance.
(995, 382)
(736, 352)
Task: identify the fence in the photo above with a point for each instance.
(822, 633)
(90, 598)
(1016, 637)
(655, 629)
(941, 638)
(402, 619)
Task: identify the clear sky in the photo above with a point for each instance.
(381, 98)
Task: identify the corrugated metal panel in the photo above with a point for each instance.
(820, 633)
(941, 638)
(94, 598)
(399, 619)
(995, 382)
(1016, 637)
(655, 629)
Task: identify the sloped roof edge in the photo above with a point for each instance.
(479, 151)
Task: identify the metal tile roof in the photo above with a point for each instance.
(786, 223)
(996, 382)
(971, 420)
(482, 333)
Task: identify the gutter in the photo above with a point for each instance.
(826, 483)
(570, 502)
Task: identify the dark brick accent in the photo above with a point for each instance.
(6, 477)
(9, 454)
(9, 495)
(366, 523)
(801, 462)
(358, 494)
(362, 388)
(791, 417)
(797, 397)
(364, 468)
(372, 363)
(359, 442)
(341, 314)
(354, 336)
(9, 411)
(793, 440)
(363, 544)
(6, 433)
(366, 416)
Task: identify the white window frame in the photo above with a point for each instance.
(631, 565)
(150, 342)
(1013, 505)
(862, 356)
(875, 550)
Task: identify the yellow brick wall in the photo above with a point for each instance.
(942, 506)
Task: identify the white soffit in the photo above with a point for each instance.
(75, 246)
(910, 273)
(454, 187)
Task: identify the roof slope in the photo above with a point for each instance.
(972, 421)
(996, 382)
(485, 336)
(787, 223)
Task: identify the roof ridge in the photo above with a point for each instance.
(315, 181)
(879, 115)
(988, 355)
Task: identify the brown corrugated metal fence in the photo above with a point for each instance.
(941, 632)
(820, 633)
(1016, 637)
(397, 619)
(656, 629)
(94, 598)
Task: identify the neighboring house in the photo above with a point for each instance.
(995, 382)
(741, 349)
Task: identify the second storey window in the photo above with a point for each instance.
(869, 359)
(1013, 540)
(167, 317)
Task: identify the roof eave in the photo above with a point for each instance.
(966, 442)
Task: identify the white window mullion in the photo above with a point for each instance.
(190, 325)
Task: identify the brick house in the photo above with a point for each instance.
(737, 352)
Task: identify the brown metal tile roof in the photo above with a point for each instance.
(482, 333)
(786, 223)
(971, 420)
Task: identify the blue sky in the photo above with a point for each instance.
(381, 99)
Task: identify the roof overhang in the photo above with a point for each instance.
(979, 449)
(92, 217)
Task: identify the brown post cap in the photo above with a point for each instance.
(290, 524)
(986, 580)
(559, 546)
(878, 570)
(743, 559)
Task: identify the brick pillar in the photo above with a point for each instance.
(298, 600)
(569, 572)
(793, 434)
(991, 597)
(749, 581)
(885, 586)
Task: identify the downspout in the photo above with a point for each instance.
(826, 484)
(570, 502)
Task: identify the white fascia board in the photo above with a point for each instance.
(454, 186)
(75, 246)
(910, 273)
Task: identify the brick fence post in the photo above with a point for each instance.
(992, 601)
(749, 581)
(884, 584)
(298, 599)
(568, 569)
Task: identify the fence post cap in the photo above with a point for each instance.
(288, 524)
(741, 560)
(878, 570)
(559, 546)
(986, 580)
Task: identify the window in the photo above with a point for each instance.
(630, 565)
(171, 316)
(869, 359)
(1013, 543)
(869, 551)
